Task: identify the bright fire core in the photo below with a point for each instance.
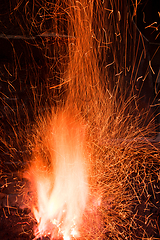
(60, 184)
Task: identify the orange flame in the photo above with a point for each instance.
(61, 185)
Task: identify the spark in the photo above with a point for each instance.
(151, 67)
(151, 26)
(88, 162)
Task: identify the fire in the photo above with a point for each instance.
(89, 163)
(60, 185)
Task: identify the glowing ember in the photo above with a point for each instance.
(60, 184)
